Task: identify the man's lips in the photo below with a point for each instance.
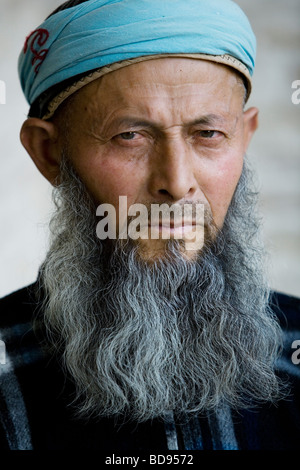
(173, 227)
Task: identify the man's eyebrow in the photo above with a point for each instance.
(136, 122)
(204, 120)
(133, 122)
(119, 122)
(207, 120)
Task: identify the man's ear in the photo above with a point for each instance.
(250, 125)
(40, 139)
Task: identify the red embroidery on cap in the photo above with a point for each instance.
(37, 38)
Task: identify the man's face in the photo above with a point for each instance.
(164, 130)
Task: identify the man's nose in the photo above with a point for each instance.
(172, 174)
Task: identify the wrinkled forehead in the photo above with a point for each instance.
(162, 88)
(172, 72)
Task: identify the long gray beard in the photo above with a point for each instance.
(141, 340)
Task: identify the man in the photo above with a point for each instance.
(147, 342)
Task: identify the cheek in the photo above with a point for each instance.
(221, 187)
(106, 179)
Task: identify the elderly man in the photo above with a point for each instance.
(147, 343)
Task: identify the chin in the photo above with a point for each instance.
(152, 251)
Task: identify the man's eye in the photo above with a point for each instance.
(129, 139)
(207, 134)
(127, 135)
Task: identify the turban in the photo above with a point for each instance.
(79, 44)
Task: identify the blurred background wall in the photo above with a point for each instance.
(25, 196)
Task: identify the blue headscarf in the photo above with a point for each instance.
(98, 33)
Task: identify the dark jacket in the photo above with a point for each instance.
(35, 397)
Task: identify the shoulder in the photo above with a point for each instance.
(19, 306)
(17, 313)
(20, 366)
(287, 309)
